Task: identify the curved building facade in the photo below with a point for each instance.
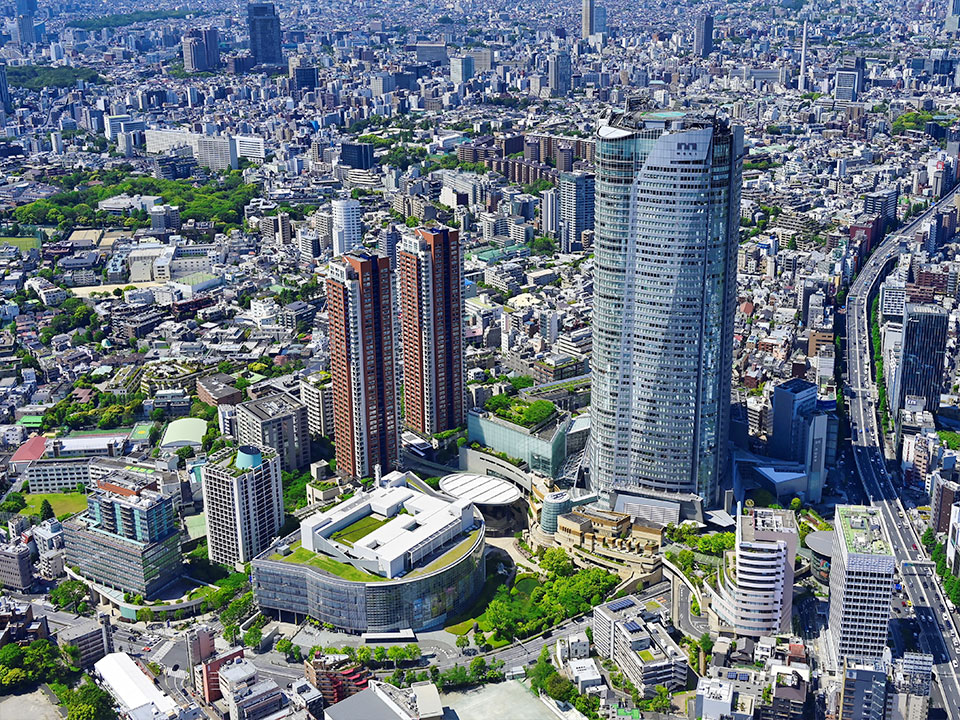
(418, 601)
(666, 231)
(555, 504)
(754, 595)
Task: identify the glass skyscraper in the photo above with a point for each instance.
(666, 230)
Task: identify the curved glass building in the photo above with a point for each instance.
(666, 230)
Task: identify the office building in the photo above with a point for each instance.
(587, 17)
(16, 567)
(263, 23)
(846, 85)
(792, 401)
(861, 585)
(127, 538)
(5, 103)
(664, 302)
(919, 371)
(346, 232)
(93, 638)
(577, 198)
(755, 582)
(703, 36)
(194, 53)
(362, 364)
(243, 502)
(316, 392)
(559, 74)
(278, 422)
(430, 265)
(357, 155)
(952, 25)
(863, 694)
(18, 624)
(461, 69)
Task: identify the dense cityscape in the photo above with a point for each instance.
(428, 360)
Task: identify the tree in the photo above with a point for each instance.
(555, 561)
(397, 653)
(413, 652)
(68, 594)
(285, 646)
(145, 615)
(379, 653)
(478, 668)
(463, 642)
(796, 504)
(253, 637)
(661, 700)
(706, 642)
(46, 510)
(364, 653)
(230, 633)
(928, 538)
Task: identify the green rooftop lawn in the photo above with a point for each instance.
(646, 655)
(302, 556)
(355, 531)
(62, 503)
(449, 557)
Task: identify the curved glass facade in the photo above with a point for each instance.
(667, 218)
(419, 603)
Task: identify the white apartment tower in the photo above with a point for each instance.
(861, 585)
(755, 585)
(666, 234)
(346, 226)
(243, 501)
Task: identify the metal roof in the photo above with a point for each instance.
(480, 489)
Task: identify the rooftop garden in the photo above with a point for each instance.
(449, 557)
(302, 556)
(357, 530)
(520, 412)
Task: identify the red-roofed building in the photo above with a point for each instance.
(32, 449)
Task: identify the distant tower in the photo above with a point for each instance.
(264, 26)
(953, 17)
(802, 81)
(588, 18)
(703, 36)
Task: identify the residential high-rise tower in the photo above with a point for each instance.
(577, 204)
(243, 502)
(430, 265)
(362, 362)
(279, 422)
(666, 233)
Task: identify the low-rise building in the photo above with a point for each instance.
(635, 639)
(93, 639)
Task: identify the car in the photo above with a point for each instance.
(147, 649)
(914, 546)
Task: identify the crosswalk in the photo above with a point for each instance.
(164, 651)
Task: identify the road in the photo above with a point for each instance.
(690, 626)
(923, 590)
